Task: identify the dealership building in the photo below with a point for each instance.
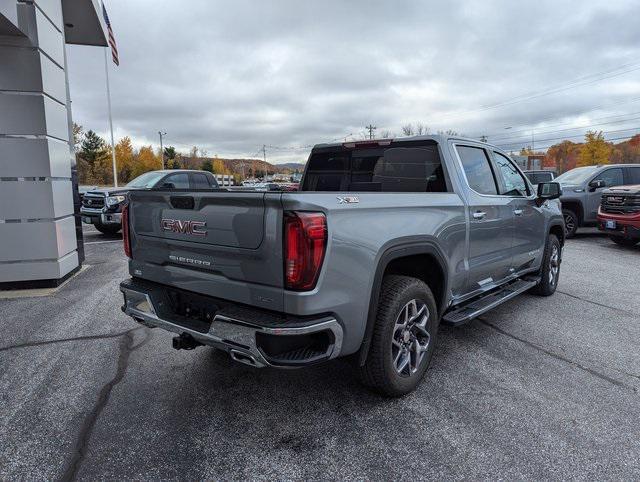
(40, 231)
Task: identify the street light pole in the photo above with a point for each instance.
(160, 133)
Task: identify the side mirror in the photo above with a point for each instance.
(597, 184)
(549, 190)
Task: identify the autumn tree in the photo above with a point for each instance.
(146, 160)
(563, 156)
(595, 150)
(125, 160)
(219, 167)
(626, 152)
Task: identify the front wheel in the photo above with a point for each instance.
(626, 242)
(404, 336)
(570, 223)
(550, 270)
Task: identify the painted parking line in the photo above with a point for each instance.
(101, 242)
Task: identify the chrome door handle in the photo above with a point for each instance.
(517, 212)
(479, 215)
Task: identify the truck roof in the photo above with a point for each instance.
(440, 138)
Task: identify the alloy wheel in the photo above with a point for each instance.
(569, 224)
(411, 337)
(554, 265)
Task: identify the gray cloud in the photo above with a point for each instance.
(231, 76)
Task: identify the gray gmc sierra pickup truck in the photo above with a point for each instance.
(384, 240)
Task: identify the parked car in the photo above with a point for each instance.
(582, 189)
(619, 214)
(536, 177)
(103, 207)
(342, 268)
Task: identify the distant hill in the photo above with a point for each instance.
(292, 165)
(252, 167)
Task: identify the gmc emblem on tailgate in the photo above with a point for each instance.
(194, 228)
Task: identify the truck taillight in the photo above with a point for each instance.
(305, 240)
(126, 241)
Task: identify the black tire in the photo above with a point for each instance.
(552, 259)
(108, 229)
(571, 223)
(626, 242)
(379, 371)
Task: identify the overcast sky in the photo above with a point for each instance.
(230, 76)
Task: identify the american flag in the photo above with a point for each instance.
(112, 39)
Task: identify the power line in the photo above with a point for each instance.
(579, 82)
(527, 133)
(514, 144)
(551, 118)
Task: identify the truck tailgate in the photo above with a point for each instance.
(224, 244)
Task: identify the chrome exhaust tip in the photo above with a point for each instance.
(243, 358)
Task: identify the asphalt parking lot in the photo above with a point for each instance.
(540, 388)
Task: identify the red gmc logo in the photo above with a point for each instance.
(195, 228)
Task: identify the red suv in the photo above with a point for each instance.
(619, 214)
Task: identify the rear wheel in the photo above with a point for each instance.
(570, 223)
(108, 229)
(626, 242)
(403, 337)
(550, 271)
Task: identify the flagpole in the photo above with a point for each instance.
(113, 147)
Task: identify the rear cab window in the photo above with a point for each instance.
(400, 167)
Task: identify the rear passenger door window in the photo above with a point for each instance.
(513, 183)
(199, 181)
(634, 175)
(477, 169)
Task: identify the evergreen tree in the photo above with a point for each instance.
(93, 147)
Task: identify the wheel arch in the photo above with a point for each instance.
(576, 207)
(558, 229)
(422, 259)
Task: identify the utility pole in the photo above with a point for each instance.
(371, 128)
(160, 133)
(533, 143)
(264, 153)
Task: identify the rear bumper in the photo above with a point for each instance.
(250, 336)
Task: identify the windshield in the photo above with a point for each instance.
(146, 180)
(577, 175)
